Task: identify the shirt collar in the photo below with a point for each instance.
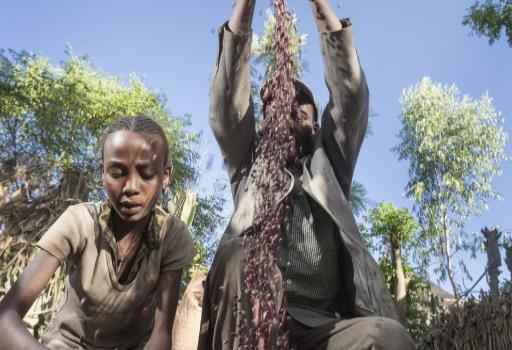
(151, 238)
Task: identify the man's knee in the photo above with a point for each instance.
(387, 334)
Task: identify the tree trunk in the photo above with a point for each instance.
(493, 261)
(448, 256)
(399, 283)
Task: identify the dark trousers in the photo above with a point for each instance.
(362, 333)
(224, 286)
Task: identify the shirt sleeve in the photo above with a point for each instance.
(345, 118)
(64, 238)
(231, 113)
(178, 249)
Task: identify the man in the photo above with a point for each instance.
(333, 291)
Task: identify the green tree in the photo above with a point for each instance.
(455, 146)
(52, 117)
(417, 299)
(51, 123)
(490, 19)
(395, 228)
(358, 198)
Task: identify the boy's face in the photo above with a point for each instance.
(305, 127)
(134, 173)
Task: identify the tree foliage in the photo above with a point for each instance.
(455, 145)
(52, 117)
(490, 19)
(358, 198)
(390, 225)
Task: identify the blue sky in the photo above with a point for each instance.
(172, 45)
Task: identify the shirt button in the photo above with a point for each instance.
(288, 281)
(288, 263)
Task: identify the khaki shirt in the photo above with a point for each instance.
(97, 311)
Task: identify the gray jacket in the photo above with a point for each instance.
(328, 177)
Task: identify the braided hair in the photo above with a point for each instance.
(140, 124)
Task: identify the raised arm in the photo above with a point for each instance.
(241, 19)
(13, 307)
(345, 117)
(231, 108)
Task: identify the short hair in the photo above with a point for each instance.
(140, 124)
(303, 95)
(303, 98)
(300, 99)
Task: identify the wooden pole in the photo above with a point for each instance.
(493, 261)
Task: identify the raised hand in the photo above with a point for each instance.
(325, 17)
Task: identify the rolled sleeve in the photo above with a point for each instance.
(178, 250)
(64, 238)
